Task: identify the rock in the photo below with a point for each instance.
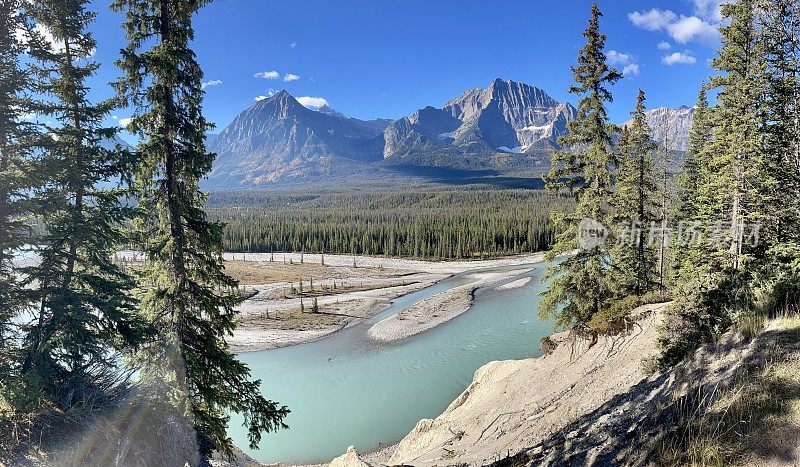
(513, 405)
(672, 125)
(278, 138)
(506, 116)
(349, 459)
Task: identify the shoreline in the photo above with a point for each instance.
(249, 337)
(437, 309)
(268, 321)
(442, 267)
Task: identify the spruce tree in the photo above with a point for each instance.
(781, 30)
(579, 287)
(634, 209)
(184, 286)
(83, 310)
(716, 284)
(16, 137)
(686, 210)
(735, 177)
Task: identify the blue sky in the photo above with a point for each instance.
(371, 58)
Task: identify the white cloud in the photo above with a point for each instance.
(624, 60)
(290, 77)
(267, 75)
(682, 29)
(631, 70)
(213, 82)
(270, 93)
(691, 27)
(312, 102)
(618, 58)
(678, 58)
(708, 9)
(293, 45)
(664, 45)
(124, 122)
(652, 20)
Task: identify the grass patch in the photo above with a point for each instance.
(757, 418)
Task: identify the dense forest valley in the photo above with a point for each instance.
(431, 223)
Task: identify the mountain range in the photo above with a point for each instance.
(507, 126)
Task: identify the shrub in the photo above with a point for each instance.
(613, 320)
(704, 308)
(547, 345)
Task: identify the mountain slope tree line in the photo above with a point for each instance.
(74, 327)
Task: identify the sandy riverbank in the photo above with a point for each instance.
(515, 284)
(435, 310)
(347, 261)
(281, 291)
(515, 404)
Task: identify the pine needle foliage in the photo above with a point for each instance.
(183, 287)
(83, 312)
(579, 283)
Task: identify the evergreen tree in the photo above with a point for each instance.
(634, 261)
(735, 175)
(185, 288)
(781, 29)
(579, 282)
(730, 195)
(15, 180)
(83, 310)
(687, 204)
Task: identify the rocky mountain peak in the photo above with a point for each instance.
(328, 110)
(671, 125)
(506, 115)
(279, 138)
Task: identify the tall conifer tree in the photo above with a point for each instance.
(687, 202)
(83, 308)
(635, 211)
(184, 287)
(735, 178)
(579, 287)
(16, 135)
(781, 29)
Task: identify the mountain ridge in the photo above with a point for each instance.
(506, 116)
(506, 126)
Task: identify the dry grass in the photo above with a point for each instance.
(755, 421)
(253, 273)
(297, 321)
(266, 272)
(323, 290)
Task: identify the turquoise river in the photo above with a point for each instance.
(348, 390)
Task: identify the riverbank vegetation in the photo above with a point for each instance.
(731, 229)
(430, 224)
(731, 258)
(79, 333)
